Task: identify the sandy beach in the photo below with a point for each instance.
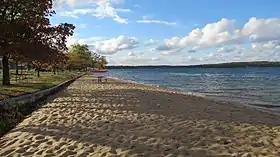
(122, 119)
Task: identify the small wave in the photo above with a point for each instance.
(131, 81)
(215, 75)
(185, 74)
(201, 74)
(196, 94)
(122, 79)
(265, 105)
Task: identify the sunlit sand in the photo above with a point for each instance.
(126, 119)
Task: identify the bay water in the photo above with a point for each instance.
(252, 86)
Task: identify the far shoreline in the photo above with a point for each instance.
(255, 64)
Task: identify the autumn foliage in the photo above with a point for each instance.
(26, 34)
(81, 57)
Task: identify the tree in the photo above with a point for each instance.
(25, 28)
(103, 62)
(74, 61)
(18, 18)
(100, 62)
(79, 57)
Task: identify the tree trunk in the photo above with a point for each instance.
(54, 70)
(21, 69)
(16, 71)
(16, 67)
(6, 71)
(28, 67)
(38, 72)
(21, 72)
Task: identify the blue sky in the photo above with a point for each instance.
(153, 32)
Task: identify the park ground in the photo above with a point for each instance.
(27, 82)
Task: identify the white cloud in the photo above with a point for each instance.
(237, 53)
(100, 9)
(149, 19)
(271, 47)
(212, 34)
(106, 10)
(191, 50)
(73, 3)
(168, 51)
(82, 11)
(76, 12)
(68, 14)
(114, 45)
(121, 20)
(227, 53)
(109, 46)
(262, 30)
(131, 54)
(212, 57)
(222, 41)
(150, 42)
(170, 47)
(225, 49)
(142, 61)
(224, 32)
(123, 10)
(72, 40)
(155, 58)
(156, 22)
(89, 41)
(138, 54)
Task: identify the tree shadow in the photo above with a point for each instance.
(146, 123)
(184, 106)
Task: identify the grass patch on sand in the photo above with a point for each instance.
(30, 83)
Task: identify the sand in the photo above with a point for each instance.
(126, 119)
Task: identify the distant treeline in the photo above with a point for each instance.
(220, 65)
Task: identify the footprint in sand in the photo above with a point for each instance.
(38, 137)
(72, 147)
(7, 152)
(68, 153)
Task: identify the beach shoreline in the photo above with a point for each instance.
(126, 119)
(177, 91)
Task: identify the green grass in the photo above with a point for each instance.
(31, 83)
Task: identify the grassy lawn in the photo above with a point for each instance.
(31, 83)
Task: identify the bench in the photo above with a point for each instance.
(99, 79)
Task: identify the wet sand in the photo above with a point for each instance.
(126, 119)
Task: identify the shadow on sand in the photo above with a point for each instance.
(148, 123)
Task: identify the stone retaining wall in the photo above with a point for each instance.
(14, 110)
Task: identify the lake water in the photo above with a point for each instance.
(253, 86)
